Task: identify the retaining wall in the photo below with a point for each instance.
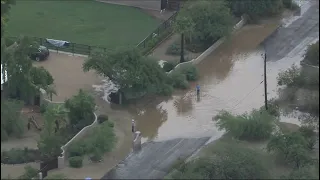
(62, 159)
(202, 56)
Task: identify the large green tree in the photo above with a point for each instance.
(204, 22)
(24, 80)
(80, 110)
(12, 124)
(133, 73)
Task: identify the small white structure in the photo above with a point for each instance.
(4, 77)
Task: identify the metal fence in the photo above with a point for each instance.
(153, 39)
(146, 45)
(73, 48)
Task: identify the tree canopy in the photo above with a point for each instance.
(134, 74)
(204, 21)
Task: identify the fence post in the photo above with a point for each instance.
(72, 48)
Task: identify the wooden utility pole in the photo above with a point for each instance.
(182, 48)
(265, 82)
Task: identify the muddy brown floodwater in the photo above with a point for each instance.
(231, 78)
(226, 77)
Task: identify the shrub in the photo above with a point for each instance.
(174, 49)
(29, 173)
(77, 149)
(76, 161)
(191, 72)
(110, 124)
(19, 156)
(102, 118)
(43, 108)
(312, 54)
(178, 80)
(308, 132)
(230, 160)
(258, 125)
(168, 66)
(81, 108)
(292, 147)
(96, 156)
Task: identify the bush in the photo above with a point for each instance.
(258, 125)
(168, 66)
(308, 132)
(229, 161)
(77, 149)
(76, 161)
(255, 9)
(191, 72)
(174, 49)
(293, 147)
(19, 156)
(96, 156)
(110, 124)
(290, 4)
(102, 118)
(178, 80)
(43, 108)
(312, 55)
(29, 173)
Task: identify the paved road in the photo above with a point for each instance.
(300, 32)
(155, 159)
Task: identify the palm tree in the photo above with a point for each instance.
(185, 26)
(51, 90)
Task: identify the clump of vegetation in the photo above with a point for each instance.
(203, 22)
(101, 140)
(174, 49)
(102, 118)
(258, 125)
(81, 108)
(302, 83)
(12, 123)
(168, 66)
(256, 9)
(191, 72)
(312, 55)
(29, 173)
(134, 74)
(179, 80)
(20, 156)
(76, 161)
(225, 161)
(292, 147)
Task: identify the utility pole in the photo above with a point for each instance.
(265, 82)
(182, 48)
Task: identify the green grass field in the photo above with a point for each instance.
(84, 21)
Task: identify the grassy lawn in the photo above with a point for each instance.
(84, 22)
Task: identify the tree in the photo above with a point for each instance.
(24, 80)
(5, 7)
(185, 26)
(134, 74)
(81, 108)
(55, 115)
(258, 125)
(255, 9)
(12, 124)
(292, 147)
(51, 141)
(302, 173)
(204, 22)
(229, 161)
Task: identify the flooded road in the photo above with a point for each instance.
(230, 79)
